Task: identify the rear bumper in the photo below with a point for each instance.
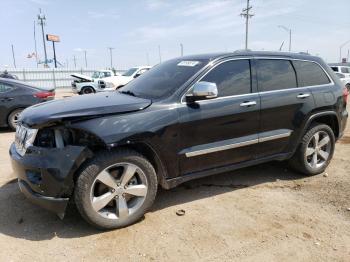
(56, 205)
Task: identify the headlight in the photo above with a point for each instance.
(24, 138)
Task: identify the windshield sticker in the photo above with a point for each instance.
(188, 63)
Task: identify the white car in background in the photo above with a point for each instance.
(345, 80)
(84, 84)
(104, 81)
(119, 81)
(343, 69)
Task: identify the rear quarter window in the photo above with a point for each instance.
(310, 74)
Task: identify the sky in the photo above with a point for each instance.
(136, 29)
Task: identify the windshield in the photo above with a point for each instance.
(97, 74)
(164, 79)
(130, 72)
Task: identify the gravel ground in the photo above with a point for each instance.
(262, 213)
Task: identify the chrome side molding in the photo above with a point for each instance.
(236, 142)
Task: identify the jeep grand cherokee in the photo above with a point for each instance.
(186, 118)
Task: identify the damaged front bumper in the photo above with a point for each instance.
(46, 175)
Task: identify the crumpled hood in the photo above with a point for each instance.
(83, 77)
(77, 107)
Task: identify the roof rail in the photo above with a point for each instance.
(242, 50)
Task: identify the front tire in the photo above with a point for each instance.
(115, 189)
(87, 90)
(315, 150)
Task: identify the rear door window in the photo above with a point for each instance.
(275, 74)
(5, 88)
(310, 74)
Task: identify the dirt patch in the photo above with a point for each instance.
(345, 140)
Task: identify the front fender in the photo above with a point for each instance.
(155, 127)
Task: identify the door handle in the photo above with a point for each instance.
(7, 99)
(303, 96)
(248, 104)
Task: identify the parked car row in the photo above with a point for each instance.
(16, 96)
(343, 72)
(186, 118)
(105, 80)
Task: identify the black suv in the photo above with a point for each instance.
(186, 118)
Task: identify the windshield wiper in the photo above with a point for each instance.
(130, 93)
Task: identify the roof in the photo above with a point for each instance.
(14, 81)
(242, 53)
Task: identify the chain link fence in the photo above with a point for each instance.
(50, 77)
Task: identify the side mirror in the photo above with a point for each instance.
(202, 90)
(137, 75)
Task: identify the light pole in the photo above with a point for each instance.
(182, 49)
(13, 56)
(290, 35)
(340, 50)
(160, 55)
(111, 55)
(41, 21)
(85, 58)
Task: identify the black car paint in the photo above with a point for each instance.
(170, 127)
(21, 96)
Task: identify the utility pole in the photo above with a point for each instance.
(85, 58)
(160, 56)
(182, 49)
(111, 55)
(13, 56)
(36, 50)
(340, 50)
(247, 15)
(290, 35)
(41, 21)
(75, 61)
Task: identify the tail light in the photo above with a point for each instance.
(44, 94)
(345, 95)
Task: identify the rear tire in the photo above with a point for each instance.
(128, 189)
(315, 151)
(13, 118)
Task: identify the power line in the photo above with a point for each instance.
(247, 15)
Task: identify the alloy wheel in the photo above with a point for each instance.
(318, 150)
(118, 191)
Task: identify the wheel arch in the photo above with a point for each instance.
(329, 118)
(150, 153)
(85, 86)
